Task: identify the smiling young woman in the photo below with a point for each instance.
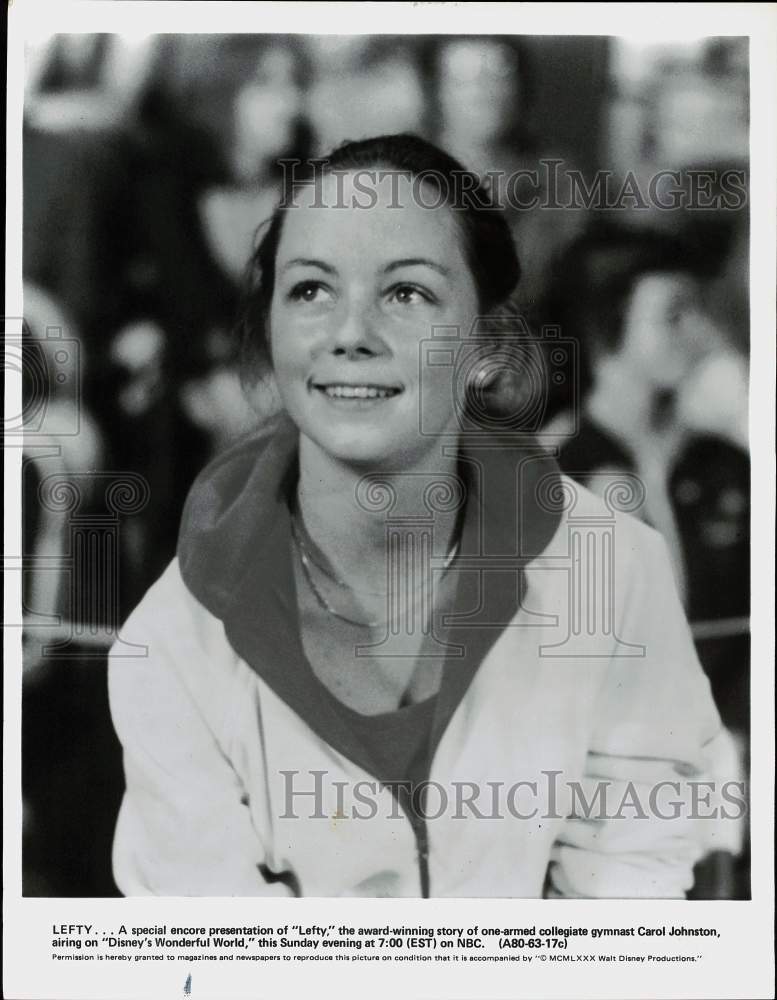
(368, 629)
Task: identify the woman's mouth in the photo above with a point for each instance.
(351, 392)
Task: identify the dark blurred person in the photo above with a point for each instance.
(484, 92)
(363, 82)
(197, 177)
(634, 301)
(84, 82)
(202, 175)
(70, 757)
(650, 356)
(62, 443)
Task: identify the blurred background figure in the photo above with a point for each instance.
(483, 93)
(265, 124)
(84, 82)
(483, 114)
(62, 440)
(364, 85)
(150, 162)
(634, 300)
(202, 162)
(81, 94)
(651, 357)
(69, 754)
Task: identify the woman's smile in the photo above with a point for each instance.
(358, 395)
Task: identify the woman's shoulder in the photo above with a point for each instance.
(613, 508)
(171, 638)
(600, 541)
(169, 607)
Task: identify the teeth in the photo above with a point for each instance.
(357, 392)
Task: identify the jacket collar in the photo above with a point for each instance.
(235, 555)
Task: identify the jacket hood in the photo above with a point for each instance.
(232, 511)
(235, 553)
(238, 508)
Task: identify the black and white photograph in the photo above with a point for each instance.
(389, 494)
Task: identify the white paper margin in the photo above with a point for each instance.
(741, 963)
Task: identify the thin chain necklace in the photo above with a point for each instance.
(306, 560)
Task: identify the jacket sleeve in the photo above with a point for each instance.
(184, 827)
(649, 804)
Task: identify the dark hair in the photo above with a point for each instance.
(594, 279)
(488, 243)
(592, 283)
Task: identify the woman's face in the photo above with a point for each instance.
(666, 332)
(265, 110)
(478, 88)
(357, 292)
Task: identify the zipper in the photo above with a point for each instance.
(418, 825)
(422, 840)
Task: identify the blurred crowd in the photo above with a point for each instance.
(148, 167)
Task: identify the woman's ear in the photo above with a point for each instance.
(262, 394)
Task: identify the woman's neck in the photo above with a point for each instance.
(352, 537)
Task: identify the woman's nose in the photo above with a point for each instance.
(356, 334)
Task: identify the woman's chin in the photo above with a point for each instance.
(370, 448)
(362, 452)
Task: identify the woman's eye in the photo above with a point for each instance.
(309, 291)
(409, 295)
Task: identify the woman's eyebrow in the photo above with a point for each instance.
(308, 262)
(414, 262)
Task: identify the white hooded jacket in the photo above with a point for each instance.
(570, 738)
